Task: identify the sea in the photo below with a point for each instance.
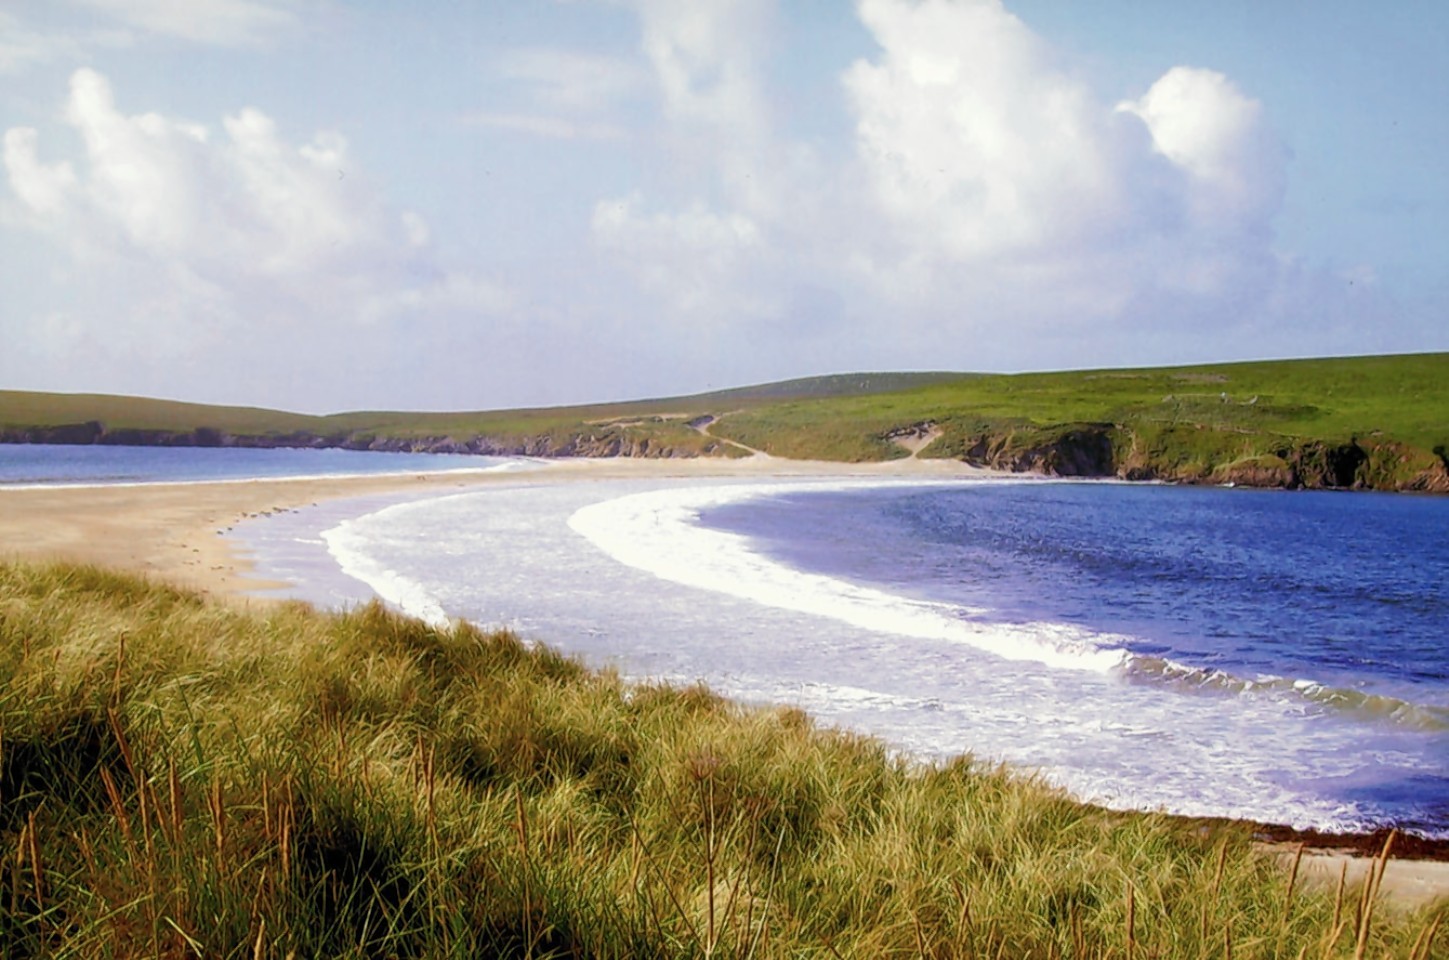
(34, 464)
(1278, 657)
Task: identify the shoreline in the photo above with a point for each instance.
(175, 532)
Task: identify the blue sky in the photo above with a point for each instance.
(322, 205)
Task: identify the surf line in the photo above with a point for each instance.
(659, 533)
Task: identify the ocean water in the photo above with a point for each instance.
(1278, 657)
(23, 464)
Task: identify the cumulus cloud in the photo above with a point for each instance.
(978, 145)
(705, 59)
(246, 202)
(974, 141)
(1202, 123)
(709, 251)
(207, 240)
(987, 185)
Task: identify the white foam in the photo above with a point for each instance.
(351, 549)
(658, 532)
(908, 671)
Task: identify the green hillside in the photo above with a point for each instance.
(1382, 421)
(1363, 422)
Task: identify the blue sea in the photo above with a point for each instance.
(1280, 657)
(23, 464)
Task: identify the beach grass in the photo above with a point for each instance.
(180, 777)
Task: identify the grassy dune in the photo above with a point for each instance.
(181, 778)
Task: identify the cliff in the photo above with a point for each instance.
(604, 441)
(1197, 456)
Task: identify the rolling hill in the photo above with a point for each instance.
(1357, 423)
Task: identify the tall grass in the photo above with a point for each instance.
(180, 778)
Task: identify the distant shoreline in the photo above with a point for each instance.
(1346, 423)
(601, 452)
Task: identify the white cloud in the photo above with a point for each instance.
(705, 57)
(974, 141)
(45, 191)
(206, 245)
(1009, 188)
(247, 203)
(699, 260)
(705, 252)
(218, 22)
(990, 188)
(1202, 123)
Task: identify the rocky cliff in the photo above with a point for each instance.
(1199, 457)
(1186, 455)
(607, 441)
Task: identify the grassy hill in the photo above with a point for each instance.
(1365, 422)
(1377, 422)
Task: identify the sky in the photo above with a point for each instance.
(327, 205)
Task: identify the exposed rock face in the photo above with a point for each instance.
(88, 432)
(1105, 450)
(1258, 474)
(1319, 466)
(1084, 452)
(605, 444)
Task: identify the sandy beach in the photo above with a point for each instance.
(175, 532)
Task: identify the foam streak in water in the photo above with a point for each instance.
(350, 548)
(658, 532)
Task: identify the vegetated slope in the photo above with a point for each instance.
(184, 778)
(660, 427)
(1362, 423)
(1366, 422)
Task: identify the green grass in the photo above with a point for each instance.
(20, 408)
(182, 778)
(1371, 422)
(1179, 423)
(1404, 397)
